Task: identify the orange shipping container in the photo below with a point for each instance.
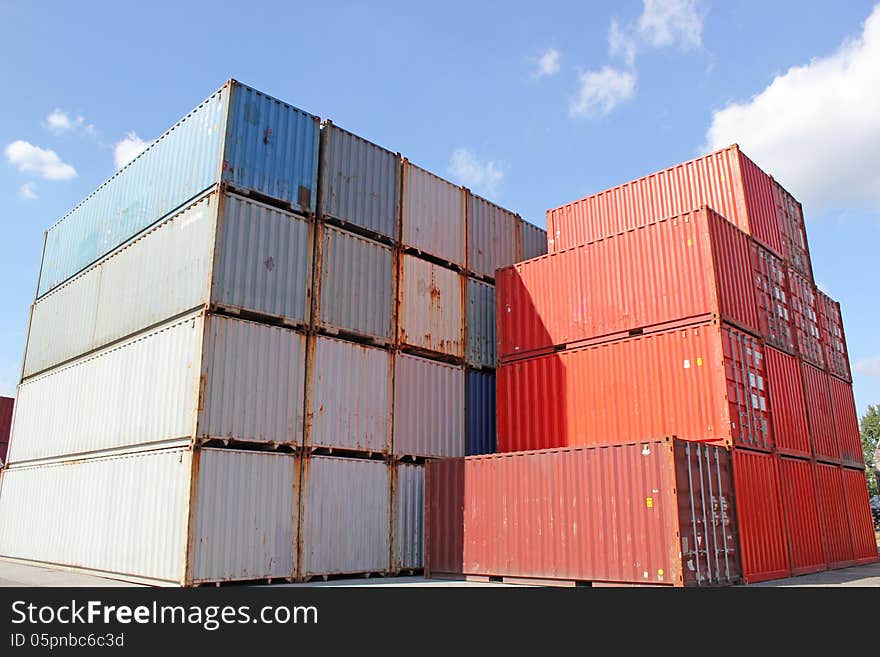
(805, 318)
(817, 393)
(787, 408)
(792, 231)
(859, 511)
(672, 272)
(833, 337)
(846, 422)
(771, 297)
(833, 516)
(801, 516)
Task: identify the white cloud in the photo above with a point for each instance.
(868, 366)
(621, 43)
(481, 177)
(601, 91)
(44, 162)
(128, 148)
(28, 191)
(672, 22)
(816, 127)
(547, 63)
(60, 122)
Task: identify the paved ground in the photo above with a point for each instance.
(17, 574)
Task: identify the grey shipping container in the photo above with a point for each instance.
(493, 237)
(359, 182)
(223, 251)
(433, 215)
(480, 327)
(430, 308)
(357, 290)
(408, 516)
(428, 408)
(479, 411)
(533, 241)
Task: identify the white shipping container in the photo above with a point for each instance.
(431, 303)
(408, 516)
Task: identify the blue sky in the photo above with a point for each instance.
(532, 105)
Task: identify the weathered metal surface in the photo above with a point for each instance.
(480, 327)
(351, 396)
(359, 182)
(345, 510)
(804, 306)
(533, 240)
(820, 414)
(357, 285)
(428, 408)
(833, 516)
(433, 215)
(792, 231)
(480, 434)
(492, 237)
(801, 508)
(6, 406)
(833, 337)
(431, 305)
(771, 295)
(846, 422)
(408, 541)
(785, 389)
(858, 508)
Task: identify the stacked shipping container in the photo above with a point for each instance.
(6, 405)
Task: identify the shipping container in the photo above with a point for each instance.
(672, 272)
(771, 296)
(168, 516)
(219, 377)
(480, 326)
(350, 397)
(763, 545)
(801, 507)
(356, 286)
(345, 510)
(725, 180)
(846, 422)
(706, 382)
(792, 231)
(430, 307)
(533, 241)
(408, 537)
(359, 182)
(493, 237)
(858, 508)
(833, 516)
(223, 251)
(479, 411)
(805, 318)
(6, 406)
(785, 389)
(238, 136)
(833, 337)
(653, 513)
(428, 408)
(817, 393)
(433, 215)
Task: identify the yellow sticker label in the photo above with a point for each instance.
(690, 242)
(699, 361)
(649, 502)
(659, 572)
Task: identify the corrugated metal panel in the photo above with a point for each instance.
(360, 182)
(346, 520)
(533, 240)
(817, 394)
(801, 516)
(176, 167)
(771, 296)
(833, 516)
(646, 513)
(785, 389)
(805, 318)
(480, 324)
(833, 337)
(492, 236)
(253, 382)
(846, 422)
(409, 517)
(746, 375)
(792, 232)
(431, 301)
(6, 406)
(137, 392)
(428, 408)
(859, 511)
(351, 396)
(725, 180)
(271, 148)
(687, 267)
(357, 285)
(245, 515)
(480, 436)
(433, 215)
(94, 513)
(760, 516)
(264, 261)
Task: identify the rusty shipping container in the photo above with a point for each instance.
(788, 411)
(823, 432)
(792, 231)
(846, 422)
(763, 545)
(672, 272)
(533, 241)
(434, 213)
(431, 307)
(801, 516)
(726, 180)
(833, 337)
(408, 517)
(771, 296)
(705, 382)
(6, 406)
(858, 508)
(654, 513)
(805, 318)
(493, 237)
(833, 516)
(480, 324)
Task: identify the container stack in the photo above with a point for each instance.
(212, 387)
(6, 406)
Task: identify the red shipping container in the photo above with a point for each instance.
(785, 389)
(833, 516)
(817, 393)
(763, 545)
(833, 337)
(6, 405)
(655, 513)
(726, 181)
(858, 509)
(705, 382)
(805, 318)
(846, 422)
(771, 298)
(673, 272)
(792, 231)
(801, 516)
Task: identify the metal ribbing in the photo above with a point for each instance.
(533, 241)
(481, 341)
(434, 215)
(492, 236)
(409, 519)
(431, 307)
(480, 435)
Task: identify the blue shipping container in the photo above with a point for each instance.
(480, 437)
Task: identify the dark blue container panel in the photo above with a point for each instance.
(480, 433)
